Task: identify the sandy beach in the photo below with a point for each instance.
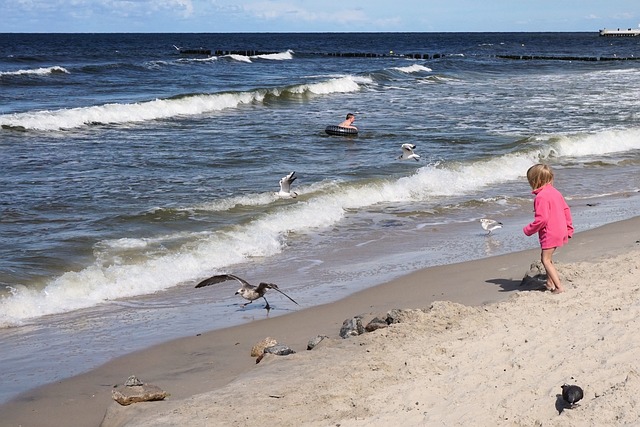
(474, 348)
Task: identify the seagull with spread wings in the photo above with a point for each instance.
(247, 291)
(285, 186)
(490, 225)
(407, 152)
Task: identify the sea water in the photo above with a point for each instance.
(131, 171)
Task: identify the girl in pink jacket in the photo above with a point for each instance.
(552, 220)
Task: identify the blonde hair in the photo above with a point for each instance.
(539, 175)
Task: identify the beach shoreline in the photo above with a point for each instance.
(209, 361)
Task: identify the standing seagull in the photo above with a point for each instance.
(247, 291)
(571, 394)
(407, 152)
(285, 186)
(490, 225)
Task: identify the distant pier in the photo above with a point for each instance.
(206, 52)
(392, 54)
(243, 52)
(629, 32)
(569, 58)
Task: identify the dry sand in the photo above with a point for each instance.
(499, 359)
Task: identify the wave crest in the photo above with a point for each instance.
(164, 108)
(36, 71)
(415, 68)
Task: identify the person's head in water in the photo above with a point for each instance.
(348, 123)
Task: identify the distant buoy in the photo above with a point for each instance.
(338, 130)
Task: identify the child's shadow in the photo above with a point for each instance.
(535, 283)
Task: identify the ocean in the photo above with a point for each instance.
(131, 171)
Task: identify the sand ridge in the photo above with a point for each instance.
(449, 364)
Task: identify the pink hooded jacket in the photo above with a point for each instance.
(552, 220)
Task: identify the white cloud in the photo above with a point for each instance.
(185, 4)
(275, 10)
(624, 15)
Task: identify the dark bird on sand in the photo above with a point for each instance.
(247, 291)
(571, 394)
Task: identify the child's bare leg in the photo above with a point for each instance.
(553, 279)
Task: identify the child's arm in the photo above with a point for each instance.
(541, 209)
(567, 215)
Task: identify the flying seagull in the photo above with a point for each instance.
(490, 224)
(285, 186)
(407, 152)
(247, 291)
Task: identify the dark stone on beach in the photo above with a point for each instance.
(376, 323)
(133, 381)
(398, 315)
(536, 275)
(536, 269)
(258, 348)
(315, 341)
(279, 350)
(394, 316)
(138, 393)
(352, 327)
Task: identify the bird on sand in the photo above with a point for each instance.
(247, 291)
(571, 394)
(490, 225)
(285, 186)
(407, 152)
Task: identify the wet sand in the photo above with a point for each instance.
(478, 341)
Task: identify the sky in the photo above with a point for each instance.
(233, 16)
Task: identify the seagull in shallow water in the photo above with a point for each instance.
(285, 186)
(490, 224)
(407, 152)
(571, 394)
(247, 291)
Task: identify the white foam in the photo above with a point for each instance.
(36, 71)
(601, 143)
(255, 199)
(128, 243)
(207, 59)
(164, 108)
(241, 58)
(415, 68)
(281, 56)
(338, 85)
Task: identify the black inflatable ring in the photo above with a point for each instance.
(338, 130)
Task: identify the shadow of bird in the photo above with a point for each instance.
(247, 291)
